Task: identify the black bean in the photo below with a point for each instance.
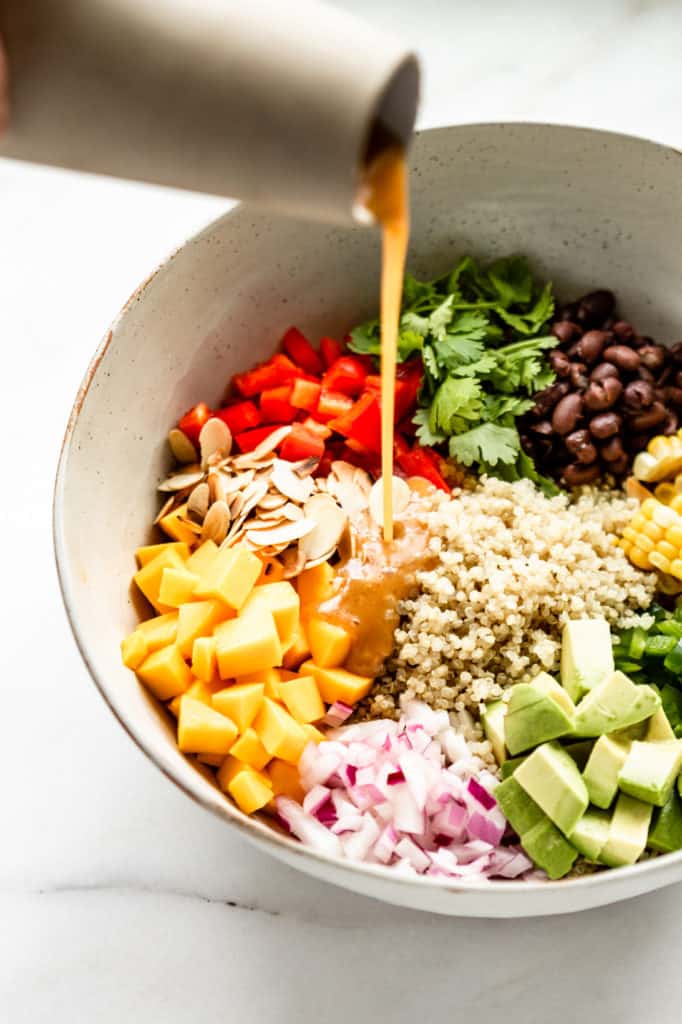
(652, 356)
(638, 395)
(676, 353)
(560, 362)
(543, 429)
(665, 376)
(646, 375)
(622, 356)
(596, 307)
(575, 475)
(638, 442)
(623, 330)
(612, 450)
(568, 311)
(673, 396)
(671, 424)
(603, 371)
(678, 378)
(591, 345)
(649, 419)
(578, 375)
(547, 399)
(602, 394)
(566, 413)
(606, 424)
(620, 466)
(580, 445)
(566, 331)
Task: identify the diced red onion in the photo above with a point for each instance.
(408, 849)
(480, 827)
(337, 714)
(407, 815)
(315, 798)
(484, 798)
(307, 828)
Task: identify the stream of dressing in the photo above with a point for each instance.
(388, 201)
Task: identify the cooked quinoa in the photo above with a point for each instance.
(513, 566)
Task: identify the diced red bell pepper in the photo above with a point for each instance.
(332, 404)
(347, 375)
(240, 417)
(362, 423)
(275, 405)
(331, 350)
(273, 374)
(301, 443)
(250, 439)
(372, 382)
(193, 420)
(319, 429)
(299, 349)
(358, 456)
(423, 462)
(305, 394)
(408, 381)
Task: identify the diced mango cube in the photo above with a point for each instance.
(165, 673)
(315, 586)
(250, 790)
(134, 650)
(302, 698)
(231, 576)
(175, 525)
(312, 734)
(159, 631)
(204, 660)
(329, 643)
(282, 600)
(337, 683)
(202, 730)
(279, 733)
(145, 554)
(269, 677)
(227, 771)
(284, 675)
(285, 779)
(149, 577)
(298, 650)
(199, 690)
(248, 748)
(240, 702)
(176, 587)
(204, 556)
(247, 644)
(198, 618)
(272, 572)
(215, 760)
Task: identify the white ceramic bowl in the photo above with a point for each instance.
(589, 208)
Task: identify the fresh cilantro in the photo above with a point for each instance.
(481, 334)
(487, 444)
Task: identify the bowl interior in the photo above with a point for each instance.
(590, 209)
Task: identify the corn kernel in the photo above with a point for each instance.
(665, 493)
(639, 520)
(641, 541)
(662, 515)
(666, 549)
(655, 558)
(676, 568)
(652, 531)
(676, 504)
(641, 559)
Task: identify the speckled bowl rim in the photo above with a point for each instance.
(254, 830)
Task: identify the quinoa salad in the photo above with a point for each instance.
(494, 693)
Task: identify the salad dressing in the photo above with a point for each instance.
(388, 201)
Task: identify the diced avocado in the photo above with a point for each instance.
(665, 834)
(537, 712)
(603, 769)
(637, 731)
(590, 834)
(650, 771)
(659, 728)
(628, 832)
(586, 655)
(493, 727)
(508, 767)
(550, 776)
(519, 809)
(671, 698)
(614, 704)
(547, 848)
(580, 751)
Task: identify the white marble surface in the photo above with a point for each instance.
(121, 901)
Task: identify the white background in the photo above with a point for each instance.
(122, 901)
